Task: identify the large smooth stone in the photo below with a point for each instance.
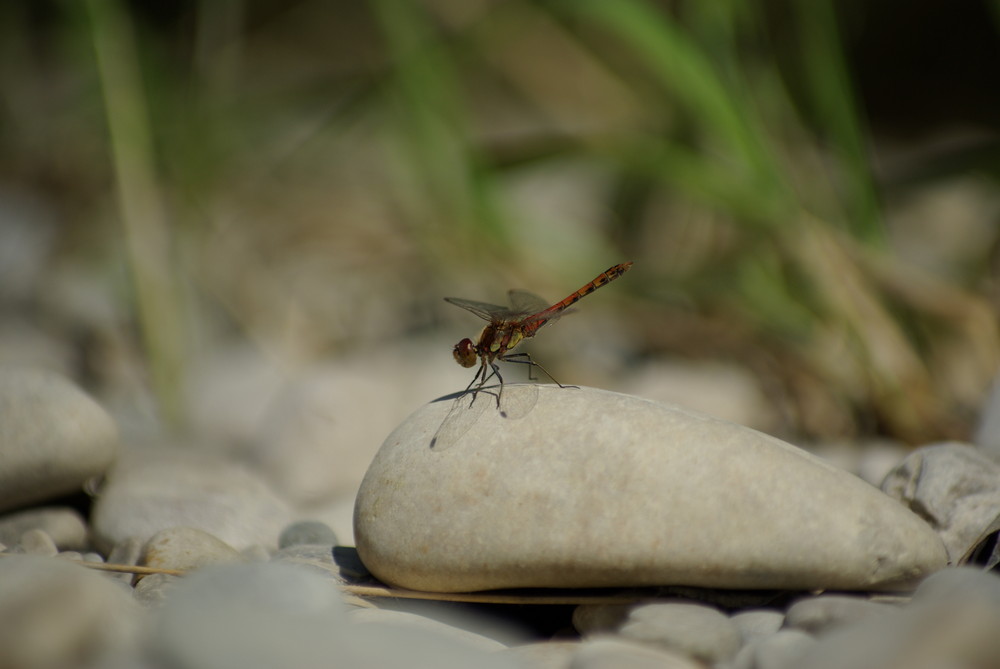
(53, 437)
(579, 487)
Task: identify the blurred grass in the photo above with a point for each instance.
(144, 218)
(314, 176)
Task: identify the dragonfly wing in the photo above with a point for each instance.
(486, 311)
(526, 303)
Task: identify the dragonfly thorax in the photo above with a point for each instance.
(465, 353)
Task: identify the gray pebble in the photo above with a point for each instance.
(187, 548)
(53, 437)
(37, 542)
(958, 585)
(58, 614)
(307, 532)
(543, 654)
(256, 553)
(780, 650)
(415, 621)
(700, 631)
(276, 615)
(127, 552)
(952, 486)
(316, 552)
(66, 527)
(152, 489)
(756, 623)
(605, 652)
(152, 590)
(818, 614)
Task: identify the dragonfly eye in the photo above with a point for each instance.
(465, 353)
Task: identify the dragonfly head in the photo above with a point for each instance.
(465, 353)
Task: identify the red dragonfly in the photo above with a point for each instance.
(508, 326)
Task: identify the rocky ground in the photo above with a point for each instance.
(597, 529)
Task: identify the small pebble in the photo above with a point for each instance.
(756, 623)
(38, 542)
(818, 614)
(59, 614)
(152, 590)
(187, 548)
(693, 629)
(127, 552)
(307, 532)
(605, 652)
(543, 655)
(66, 527)
(774, 651)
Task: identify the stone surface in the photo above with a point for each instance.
(924, 636)
(954, 487)
(58, 614)
(53, 437)
(578, 487)
(277, 615)
(819, 614)
(307, 532)
(418, 622)
(152, 590)
(187, 548)
(64, 525)
(696, 630)
(543, 655)
(951, 622)
(593, 618)
(757, 623)
(780, 650)
(606, 652)
(37, 542)
(127, 552)
(151, 489)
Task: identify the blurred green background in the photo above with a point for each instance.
(808, 189)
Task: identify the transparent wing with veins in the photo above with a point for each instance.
(523, 305)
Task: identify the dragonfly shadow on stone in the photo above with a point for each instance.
(467, 409)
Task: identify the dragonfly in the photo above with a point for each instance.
(509, 326)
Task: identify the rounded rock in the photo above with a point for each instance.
(821, 613)
(187, 548)
(577, 487)
(151, 489)
(53, 437)
(757, 623)
(699, 631)
(955, 486)
(58, 614)
(38, 542)
(307, 532)
(65, 525)
(606, 652)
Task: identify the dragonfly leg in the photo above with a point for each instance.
(496, 372)
(525, 359)
(482, 377)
